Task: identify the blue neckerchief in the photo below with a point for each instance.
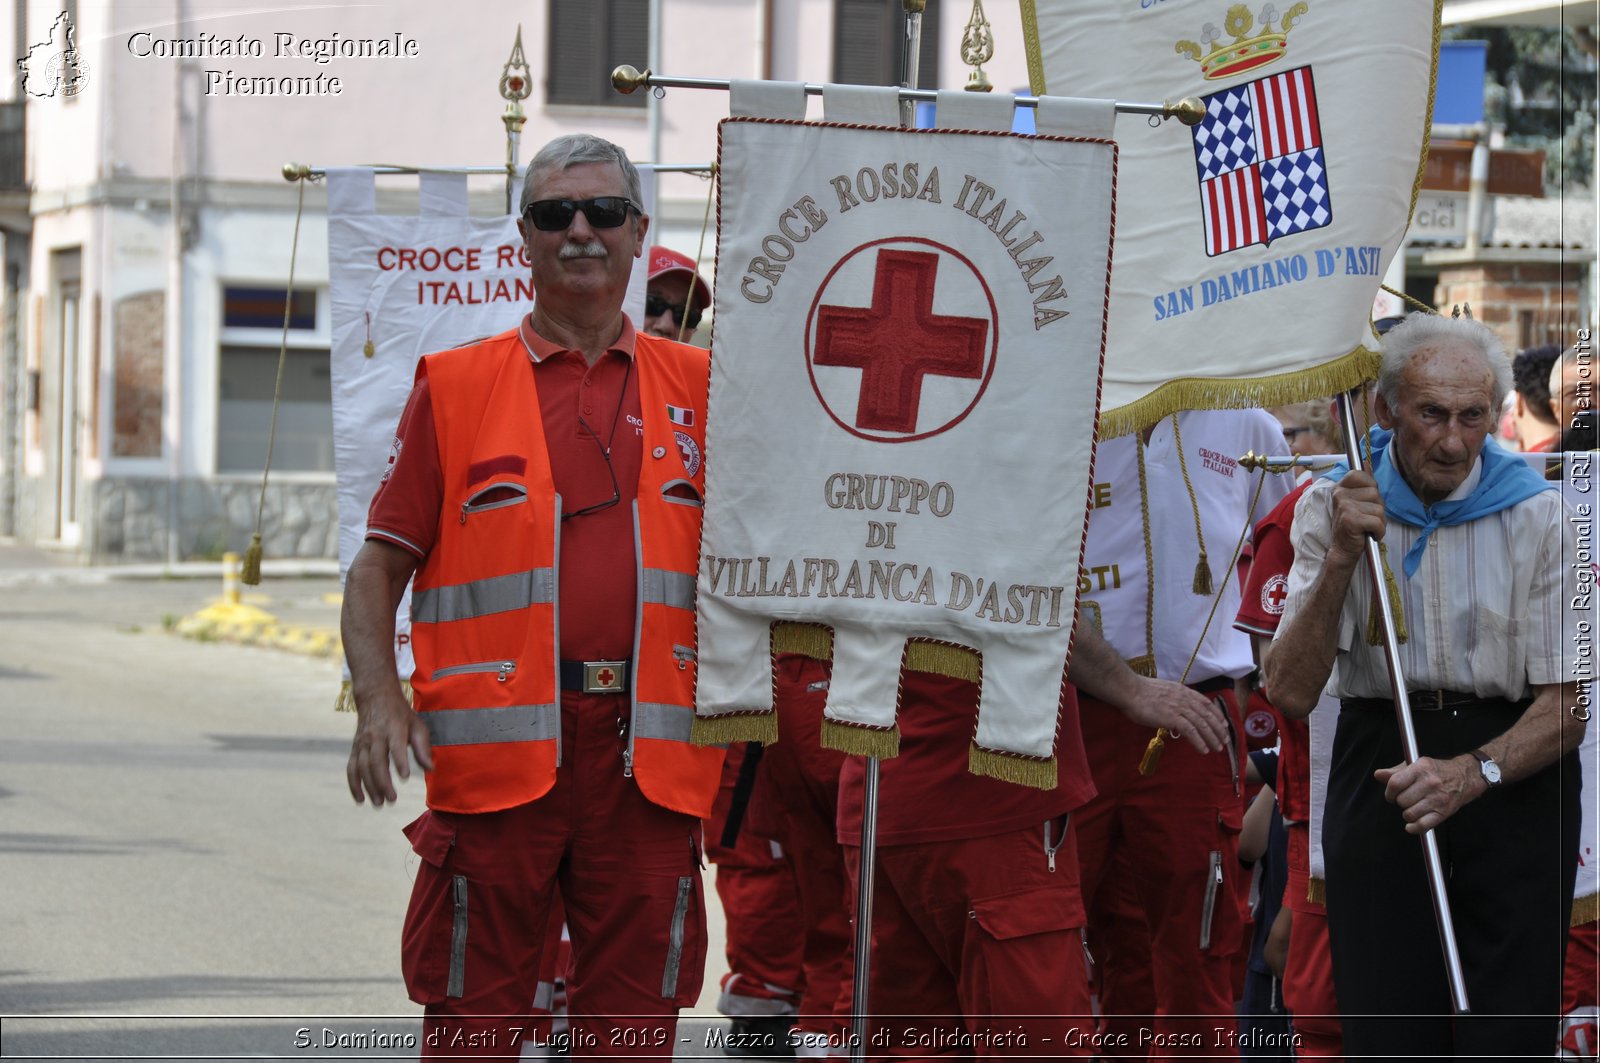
(1505, 481)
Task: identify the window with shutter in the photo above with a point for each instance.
(868, 36)
(588, 39)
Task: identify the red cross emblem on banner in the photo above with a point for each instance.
(899, 342)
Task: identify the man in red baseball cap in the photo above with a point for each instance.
(676, 297)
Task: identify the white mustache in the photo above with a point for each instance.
(592, 249)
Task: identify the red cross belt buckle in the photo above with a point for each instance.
(604, 677)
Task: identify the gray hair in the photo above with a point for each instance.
(1558, 370)
(1418, 331)
(575, 148)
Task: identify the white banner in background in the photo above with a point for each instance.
(903, 395)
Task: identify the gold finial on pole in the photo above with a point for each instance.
(625, 79)
(296, 171)
(1189, 110)
(516, 84)
(977, 48)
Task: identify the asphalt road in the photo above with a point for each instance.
(183, 871)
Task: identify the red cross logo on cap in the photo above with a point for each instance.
(900, 342)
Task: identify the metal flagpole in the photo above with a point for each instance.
(860, 1001)
(1408, 735)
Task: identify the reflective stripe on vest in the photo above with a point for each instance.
(497, 594)
(507, 723)
(662, 586)
(670, 723)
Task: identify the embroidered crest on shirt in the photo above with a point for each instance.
(394, 456)
(689, 451)
(1273, 594)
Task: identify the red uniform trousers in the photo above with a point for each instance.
(756, 885)
(1176, 832)
(628, 872)
(1125, 991)
(977, 948)
(1580, 993)
(798, 797)
(1308, 971)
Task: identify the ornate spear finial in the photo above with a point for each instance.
(977, 48)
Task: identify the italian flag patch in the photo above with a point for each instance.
(680, 416)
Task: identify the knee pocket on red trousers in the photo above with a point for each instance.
(1023, 913)
(433, 942)
(1221, 921)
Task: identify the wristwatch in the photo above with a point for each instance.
(1487, 768)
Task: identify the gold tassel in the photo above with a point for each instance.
(1391, 587)
(734, 727)
(1009, 767)
(250, 571)
(1202, 576)
(1585, 910)
(1316, 891)
(808, 640)
(1152, 752)
(944, 658)
(879, 742)
(1144, 664)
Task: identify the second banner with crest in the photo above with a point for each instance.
(909, 333)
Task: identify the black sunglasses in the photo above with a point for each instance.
(554, 215)
(655, 306)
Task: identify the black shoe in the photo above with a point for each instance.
(763, 1037)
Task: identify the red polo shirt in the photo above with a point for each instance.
(584, 409)
(1260, 609)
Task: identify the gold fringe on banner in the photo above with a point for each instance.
(944, 658)
(1585, 909)
(1039, 773)
(808, 640)
(735, 727)
(879, 742)
(345, 701)
(1223, 393)
(1316, 890)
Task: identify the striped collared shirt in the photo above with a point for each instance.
(1491, 609)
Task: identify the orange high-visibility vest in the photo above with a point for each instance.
(483, 606)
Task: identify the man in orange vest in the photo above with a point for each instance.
(544, 495)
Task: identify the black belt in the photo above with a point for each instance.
(1212, 686)
(596, 677)
(1421, 701)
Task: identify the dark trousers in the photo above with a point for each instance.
(1509, 859)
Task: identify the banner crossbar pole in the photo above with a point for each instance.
(627, 79)
(299, 171)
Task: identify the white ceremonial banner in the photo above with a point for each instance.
(1249, 247)
(402, 286)
(1578, 475)
(903, 394)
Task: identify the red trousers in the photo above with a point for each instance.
(798, 798)
(1175, 833)
(756, 885)
(1308, 972)
(977, 949)
(629, 874)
